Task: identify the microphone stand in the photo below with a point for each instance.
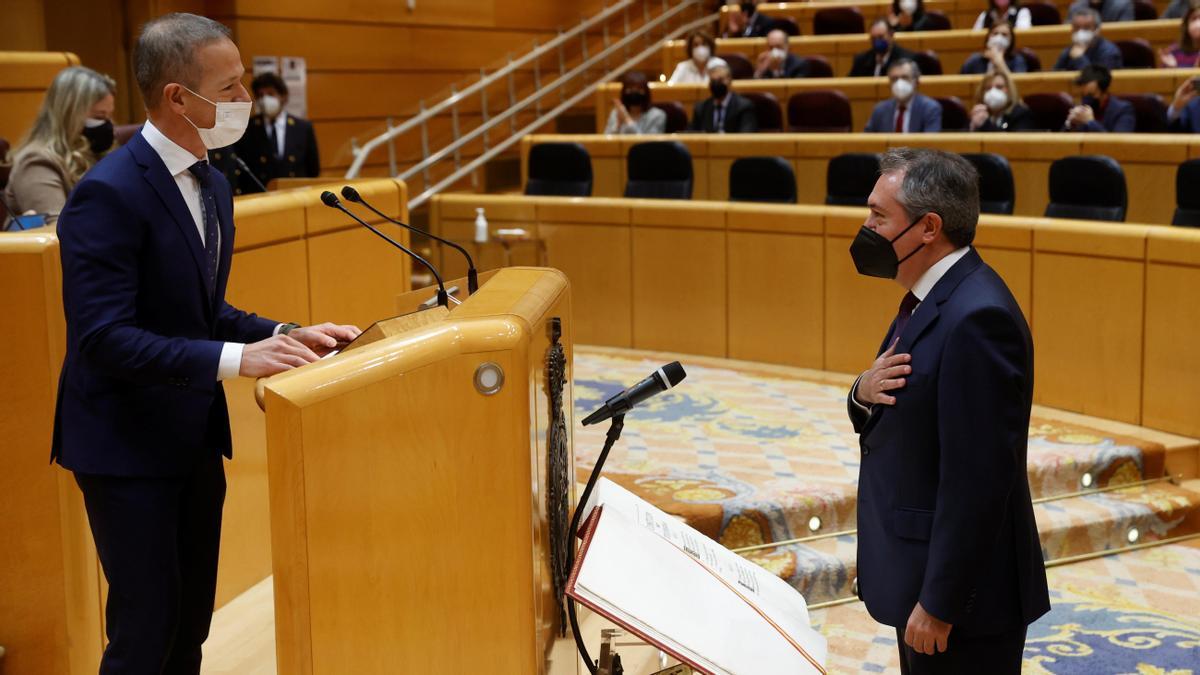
(614, 433)
(243, 167)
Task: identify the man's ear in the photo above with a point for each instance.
(931, 228)
(172, 97)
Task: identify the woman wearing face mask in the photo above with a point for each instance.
(908, 15)
(72, 131)
(999, 51)
(1184, 53)
(632, 113)
(1004, 11)
(998, 107)
(694, 69)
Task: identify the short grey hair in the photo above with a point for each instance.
(1084, 11)
(900, 63)
(166, 52)
(936, 181)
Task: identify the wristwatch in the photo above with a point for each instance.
(287, 328)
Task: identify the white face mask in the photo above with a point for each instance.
(998, 42)
(902, 89)
(995, 99)
(908, 6)
(228, 124)
(269, 105)
(1083, 37)
(701, 53)
(778, 53)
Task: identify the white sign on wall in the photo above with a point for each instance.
(295, 76)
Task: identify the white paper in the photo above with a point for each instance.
(295, 76)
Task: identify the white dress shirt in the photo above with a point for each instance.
(280, 125)
(921, 289)
(177, 161)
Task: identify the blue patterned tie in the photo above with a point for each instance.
(208, 207)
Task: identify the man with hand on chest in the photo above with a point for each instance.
(948, 550)
(146, 240)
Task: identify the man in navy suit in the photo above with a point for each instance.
(146, 242)
(948, 550)
(1115, 115)
(908, 111)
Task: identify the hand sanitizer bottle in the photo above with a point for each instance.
(481, 227)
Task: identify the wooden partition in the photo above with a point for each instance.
(952, 46)
(24, 77)
(1110, 306)
(1148, 160)
(294, 260)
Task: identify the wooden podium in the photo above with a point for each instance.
(414, 502)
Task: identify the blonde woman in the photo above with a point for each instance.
(998, 106)
(72, 131)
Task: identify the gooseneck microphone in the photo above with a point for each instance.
(246, 169)
(472, 276)
(331, 200)
(659, 381)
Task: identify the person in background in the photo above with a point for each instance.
(747, 21)
(1176, 9)
(777, 61)
(1114, 114)
(1109, 10)
(1184, 114)
(632, 112)
(694, 69)
(908, 111)
(276, 144)
(724, 111)
(72, 131)
(999, 50)
(1088, 46)
(1004, 11)
(998, 106)
(908, 15)
(1183, 54)
(883, 52)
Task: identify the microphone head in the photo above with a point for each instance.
(351, 194)
(674, 373)
(329, 199)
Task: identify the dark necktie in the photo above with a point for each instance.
(900, 120)
(720, 118)
(208, 210)
(270, 125)
(907, 305)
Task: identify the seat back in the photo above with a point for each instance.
(1048, 110)
(1032, 61)
(850, 178)
(762, 179)
(1144, 11)
(954, 114)
(838, 21)
(928, 62)
(123, 132)
(1151, 112)
(997, 193)
(1087, 187)
(818, 66)
(740, 67)
(677, 119)
(820, 110)
(1136, 53)
(561, 169)
(1187, 194)
(935, 20)
(768, 110)
(1043, 13)
(659, 170)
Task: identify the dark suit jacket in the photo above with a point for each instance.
(1101, 53)
(740, 117)
(925, 115)
(1119, 117)
(300, 157)
(138, 394)
(1188, 121)
(944, 509)
(1020, 119)
(760, 24)
(793, 66)
(864, 62)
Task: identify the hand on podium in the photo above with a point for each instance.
(300, 346)
(325, 337)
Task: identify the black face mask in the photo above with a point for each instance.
(99, 138)
(873, 253)
(1091, 102)
(632, 99)
(719, 89)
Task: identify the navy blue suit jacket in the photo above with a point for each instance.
(944, 509)
(925, 115)
(1119, 117)
(1188, 120)
(138, 394)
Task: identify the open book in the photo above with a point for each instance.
(677, 589)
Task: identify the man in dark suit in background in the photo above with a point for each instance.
(908, 110)
(883, 52)
(1097, 110)
(777, 62)
(146, 240)
(948, 550)
(276, 144)
(725, 111)
(748, 21)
